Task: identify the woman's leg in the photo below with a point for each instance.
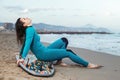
(56, 54)
(59, 48)
(61, 43)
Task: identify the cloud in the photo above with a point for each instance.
(27, 10)
(24, 11)
(13, 8)
(17, 9)
(46, 9)
(64, 11)
(108, 13)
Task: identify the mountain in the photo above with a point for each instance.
(42, 27)
(7, 26)
(48, 27)
(56, 28)
(1, 24)
(92, 28)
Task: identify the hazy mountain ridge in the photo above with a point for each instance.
(85, 28)
(58, 28)
(7, 27)
(1, 24)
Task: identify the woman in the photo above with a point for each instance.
(28, 37)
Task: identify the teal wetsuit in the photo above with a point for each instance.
(54, 51)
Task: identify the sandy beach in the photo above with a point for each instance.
(10, 71)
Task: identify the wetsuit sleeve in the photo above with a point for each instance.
(28, 40)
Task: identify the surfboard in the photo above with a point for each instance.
(36, 67)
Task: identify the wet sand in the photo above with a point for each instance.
(10, 71)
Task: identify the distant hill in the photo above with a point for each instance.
(42, 27)
(5, 27)
(56, 28)
(48, 27)
(1, 24)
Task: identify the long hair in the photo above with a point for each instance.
(20, 31)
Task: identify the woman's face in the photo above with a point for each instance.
(26, 21)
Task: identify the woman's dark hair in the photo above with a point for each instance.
(20, 31)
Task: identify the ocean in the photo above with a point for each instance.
(108, 43)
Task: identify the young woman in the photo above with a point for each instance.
(30, 40)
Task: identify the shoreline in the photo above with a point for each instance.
(10, 71)
(99, 51)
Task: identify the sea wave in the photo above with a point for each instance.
(108, 43)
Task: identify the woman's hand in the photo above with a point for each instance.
(20, 61)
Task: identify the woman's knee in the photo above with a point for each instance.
(69, 50)
(65, 40)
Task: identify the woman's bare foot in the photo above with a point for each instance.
(61, 63)
(94, 66)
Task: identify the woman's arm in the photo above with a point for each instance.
(21, 51)
(28, 40)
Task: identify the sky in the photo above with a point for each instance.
(76, 13)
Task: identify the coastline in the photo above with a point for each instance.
(10, 71)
